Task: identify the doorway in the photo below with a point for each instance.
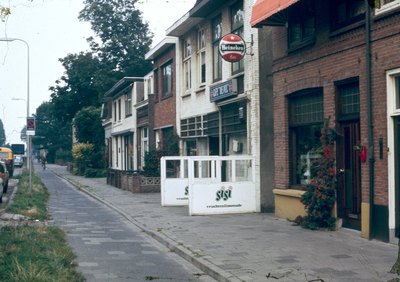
(349, 175)
(396, 177)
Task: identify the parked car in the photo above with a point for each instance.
(4, 177)
(18, 161)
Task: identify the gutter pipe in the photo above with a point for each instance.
(369, 113)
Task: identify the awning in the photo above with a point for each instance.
(270, 12)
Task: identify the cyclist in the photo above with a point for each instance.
(43, 161)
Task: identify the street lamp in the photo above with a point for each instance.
(7, 39)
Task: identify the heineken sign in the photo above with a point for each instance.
(223, 90)
(232, 48)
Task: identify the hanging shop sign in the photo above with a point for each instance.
(232, 48)
(223, 90)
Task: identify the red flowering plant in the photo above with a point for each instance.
(319, 197)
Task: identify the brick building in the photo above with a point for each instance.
(164, 88)
(339, 59)
(229, 124)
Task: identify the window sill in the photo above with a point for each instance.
(128, 115)
(347, 28)
(186, 95)
(236, 75)
(387, 13)
(299, 46)
(197, 91)
(167, 96)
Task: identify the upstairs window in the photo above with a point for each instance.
(119, 109)
(187, 64)
(202, 57)
(237, 21)
(301, 24)
(387, 5)
(128, 105)
(344, 13)
(216, 36)
(167, 79)
(156, 82)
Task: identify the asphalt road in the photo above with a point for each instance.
(109, 247)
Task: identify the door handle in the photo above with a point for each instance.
(341, 170)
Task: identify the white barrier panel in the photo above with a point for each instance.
(220, 185)
(174, 181)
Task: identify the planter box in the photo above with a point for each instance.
(132, 181)
(287, 203)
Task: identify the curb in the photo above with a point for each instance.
(201, 263)
(10, 199)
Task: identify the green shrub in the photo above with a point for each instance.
(75, 171)
(152, 163)
(82, 152)
(64, 155)
(93, 173)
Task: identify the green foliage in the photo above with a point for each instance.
(23, 134)
(64, 155)
(76, 89)
(89, 127)
(319, 197)
(82, 152)
(36, 253)
(152, 163)
(171, 144)
(93, 173)
(2, 134)
(32, 205)
(125, 39)
(56, 135)
(75, 171)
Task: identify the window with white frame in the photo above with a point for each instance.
(387, 5)
(144, 146)
(216, 36)
(128, 105)
(187, 64)
(202, 57)
(237, 21)
(115, 111)
(119, 109)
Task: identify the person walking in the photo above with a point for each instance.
(43, 161)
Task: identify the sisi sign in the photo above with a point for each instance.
(232, 48)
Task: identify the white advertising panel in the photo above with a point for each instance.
(175, 192)
(222, 197)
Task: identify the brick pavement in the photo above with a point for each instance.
(247, 247)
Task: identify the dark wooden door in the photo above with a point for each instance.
(397, 174)
(349, 175)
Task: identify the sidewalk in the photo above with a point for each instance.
(248, 247)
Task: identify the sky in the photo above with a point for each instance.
(52, 30)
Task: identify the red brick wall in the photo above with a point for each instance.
(165, 106)
(335, 57)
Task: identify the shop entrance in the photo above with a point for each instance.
(349, 175)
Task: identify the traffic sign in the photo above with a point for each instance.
(30, 124)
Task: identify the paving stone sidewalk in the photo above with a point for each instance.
(248, 247)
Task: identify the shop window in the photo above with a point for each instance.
(192, 127)
(211, 124)
(344, 13)
(301, 24)
(167, 79)
(237, 20)
(306, 120)
(216, 36)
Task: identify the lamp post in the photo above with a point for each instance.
(28, 139)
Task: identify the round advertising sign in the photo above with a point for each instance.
(232, 48)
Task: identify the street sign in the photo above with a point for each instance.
(30, 126)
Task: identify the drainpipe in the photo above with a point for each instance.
(369, 113)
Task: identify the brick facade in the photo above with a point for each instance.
(334, 57)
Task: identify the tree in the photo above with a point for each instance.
(76, 89)
(88, 127)
(2, 134)
(56, 135)
(23, 134)
(125, 38)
